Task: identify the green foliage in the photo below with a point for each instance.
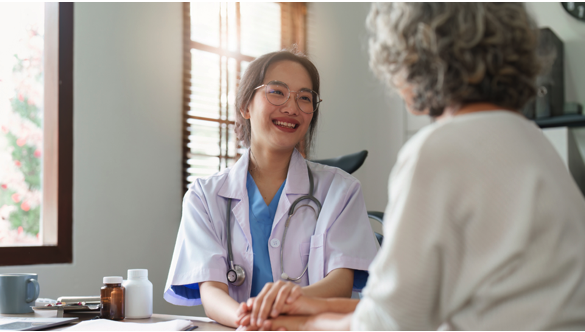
(29, 220)
(18, 66)
(6, 197)
(26, 110)
(29, 164)
(30, 167)
(28, 77)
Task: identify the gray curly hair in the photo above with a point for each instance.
(456, 53)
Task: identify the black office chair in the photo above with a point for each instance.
(351, 163)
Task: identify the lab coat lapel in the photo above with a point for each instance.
(234, 187)
(297, 185)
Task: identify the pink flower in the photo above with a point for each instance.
(20, 229)
(4, 129)
(4, 186)
(20, 97)
(16, 198)
(24, 206)
(17, 163)
(20, 141)
(37, 153)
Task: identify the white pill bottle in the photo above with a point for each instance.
(138, 294)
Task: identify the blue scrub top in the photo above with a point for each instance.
(261, 220)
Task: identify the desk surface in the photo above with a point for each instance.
(203, 322)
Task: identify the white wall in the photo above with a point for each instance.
(357, 111)
(572, 33)
(127, 153)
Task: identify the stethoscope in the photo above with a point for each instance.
(236, 274)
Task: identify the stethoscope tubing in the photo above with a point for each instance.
(229, 235)
(283, 275)
(291, 212)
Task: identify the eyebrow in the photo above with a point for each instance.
(287, 84)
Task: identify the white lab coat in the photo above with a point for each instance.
(341, 238)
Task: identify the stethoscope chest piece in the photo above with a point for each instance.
(236, 275)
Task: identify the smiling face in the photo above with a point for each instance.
(279, 127)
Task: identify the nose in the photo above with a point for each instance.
(290, 107)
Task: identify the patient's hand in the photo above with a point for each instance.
(305, 305)
(283, 323)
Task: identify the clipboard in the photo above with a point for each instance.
(32, 324)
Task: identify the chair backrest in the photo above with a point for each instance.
(349, 162)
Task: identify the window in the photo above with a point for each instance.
(36, 137)
(220, 40)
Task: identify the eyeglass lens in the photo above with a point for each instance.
(277, 94)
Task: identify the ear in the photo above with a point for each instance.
(245, 113)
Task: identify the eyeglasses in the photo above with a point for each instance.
(277, 93)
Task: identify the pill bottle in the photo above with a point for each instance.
(138, 294)
(112, 299)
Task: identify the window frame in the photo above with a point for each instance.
(57, 204)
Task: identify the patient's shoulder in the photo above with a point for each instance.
(472, 138)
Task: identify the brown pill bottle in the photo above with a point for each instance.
(112, 299)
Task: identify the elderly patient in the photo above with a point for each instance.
(485, 229)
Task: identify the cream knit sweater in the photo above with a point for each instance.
(485, 230)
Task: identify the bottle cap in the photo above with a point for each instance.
(137, 273)
(113, 280)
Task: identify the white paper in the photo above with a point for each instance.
(106, 324)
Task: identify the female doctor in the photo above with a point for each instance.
(274, 217)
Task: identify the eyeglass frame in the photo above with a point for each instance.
(288, 97)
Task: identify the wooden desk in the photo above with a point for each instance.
(203, 322)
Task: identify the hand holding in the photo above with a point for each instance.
(271, 301)
(244, 312)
